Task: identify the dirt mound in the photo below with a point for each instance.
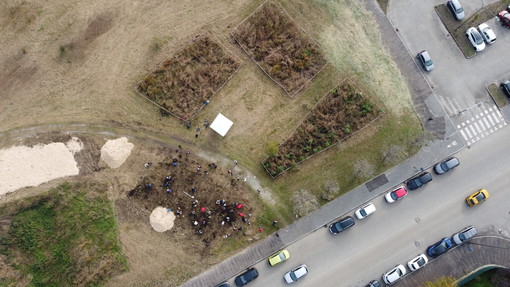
(115, 152)
(162, 219)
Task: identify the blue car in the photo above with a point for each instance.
(440, 247)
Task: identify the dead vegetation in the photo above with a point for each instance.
(281, 48)
(341, 113)
(183, 84)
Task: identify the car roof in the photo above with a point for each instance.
(401, 191)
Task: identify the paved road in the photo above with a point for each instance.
(397, 232)
(458, 82)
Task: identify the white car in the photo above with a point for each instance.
(296, 273)
(365, 211)
(394, 274)
(475, 38)
(417, 262)
(487, 34)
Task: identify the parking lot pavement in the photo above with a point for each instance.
(459, 83)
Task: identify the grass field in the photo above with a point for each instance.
(67, 237)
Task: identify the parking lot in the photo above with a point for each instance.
(459, 83)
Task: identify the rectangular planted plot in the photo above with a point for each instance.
(182, 85)
(280, 48)
(339, 114)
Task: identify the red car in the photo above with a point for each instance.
(504, 17)
(396, 194)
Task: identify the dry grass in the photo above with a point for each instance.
(182, 85)
(285, 53)
(93, 86)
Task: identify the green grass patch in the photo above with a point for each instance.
(66, 237)
(457, 29)
(483, 280)
(497, 95)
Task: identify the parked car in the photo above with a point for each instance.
(464, 235)
(365, 211)
(487, 34)
(456, 8)
(278, 257)
(426, 60)
(506, 88)
(396, 194)
(374, 283)
(248, 276)
(419, 181)
(341, 225)
(504, 18)
(394, 274)
(224, 284)
(477, 197)
(439, 247)
(296, 273)
(475, 39)
(417, 262)
(446, 165)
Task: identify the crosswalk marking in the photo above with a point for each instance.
(481, 124)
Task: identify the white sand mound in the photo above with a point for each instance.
(115, 152)
(161, 219)
(23, 166)
(74, 145)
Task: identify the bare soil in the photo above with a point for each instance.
(280, 47)
(339, 114)
(183, 84)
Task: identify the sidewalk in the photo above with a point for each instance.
(447, 142)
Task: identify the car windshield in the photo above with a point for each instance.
(480, 196)
(293, 276)
(420, 261)
(363, 212)
(282, 256)
(428, 63)
(478, 38)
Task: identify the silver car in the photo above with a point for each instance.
(456, 8)
(464, 235)
(426, 60)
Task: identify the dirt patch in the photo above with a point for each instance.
(210, 203)
(340, 113)
(184, 84)
(281, 48)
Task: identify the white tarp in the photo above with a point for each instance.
(221, 125)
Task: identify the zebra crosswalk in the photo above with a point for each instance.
(481, 122)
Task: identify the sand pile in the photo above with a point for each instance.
(23, 166)
(115, 152)
(161, 219)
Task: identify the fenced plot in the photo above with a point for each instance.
(182, 85)
(339, 114)
(280, 47)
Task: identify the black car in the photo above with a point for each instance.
(439, 247)
(248, 276)
(506, 88)
(446, 165)
(341, 225)
(373, 283)
(419, 181)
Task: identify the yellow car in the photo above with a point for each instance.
(279, 257)
(477, 197)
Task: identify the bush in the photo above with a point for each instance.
(363, 169)
(331, 190)
(304, 202)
